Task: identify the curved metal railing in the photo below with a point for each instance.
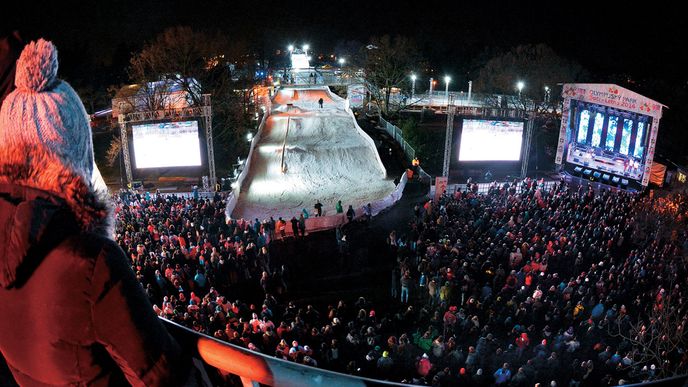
(254, 367)
(223, 359)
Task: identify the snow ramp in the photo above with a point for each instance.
(306, 153)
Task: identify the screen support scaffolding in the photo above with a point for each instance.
(526, 147)
(203, 110)
(448, 139)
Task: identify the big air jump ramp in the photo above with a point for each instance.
(306, 153)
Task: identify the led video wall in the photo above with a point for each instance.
(608, 139)
(490, 140)
(166, 144)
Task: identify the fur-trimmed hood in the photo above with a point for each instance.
(43, 201)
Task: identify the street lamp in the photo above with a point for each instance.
(547, 94)
(447, 79)
(341, 61)
(413, 85)
(291, 48)
(305, 49)
(432, 82)
(520, 85)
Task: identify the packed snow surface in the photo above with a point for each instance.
(327, 157)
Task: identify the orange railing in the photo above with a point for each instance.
(253, 368)
(225, 361)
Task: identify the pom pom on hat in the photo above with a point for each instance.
(44, 122)
(37, 66)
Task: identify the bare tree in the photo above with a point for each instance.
(194, 63)
(387, 63)
(538, 67)
(657, 336)
(184, 58)
(112, 154)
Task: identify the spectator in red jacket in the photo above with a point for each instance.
(424, 365)
(72, 309)
(522, 343)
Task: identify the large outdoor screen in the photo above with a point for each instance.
(167, 144)
(608, 139)
(490, 140)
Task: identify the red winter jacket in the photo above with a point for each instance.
(71, 310)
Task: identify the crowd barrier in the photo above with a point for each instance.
(397, 135)
(410, 153)
(328, 222)
(483, 188)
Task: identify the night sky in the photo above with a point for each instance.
(641, 40)
(642, 43)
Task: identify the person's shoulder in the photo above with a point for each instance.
(90, 245)
(81, 255)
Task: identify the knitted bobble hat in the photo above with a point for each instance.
(45, 113)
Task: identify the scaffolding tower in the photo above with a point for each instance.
(203, 110)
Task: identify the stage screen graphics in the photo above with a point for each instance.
(608, 139)
(490, 140)
(166, 144)
(608, 132)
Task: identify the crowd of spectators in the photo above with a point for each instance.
(567, 285)
(517, 286)
(182, 248)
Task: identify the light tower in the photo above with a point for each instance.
(447, 79)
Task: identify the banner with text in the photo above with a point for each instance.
(440, 187)
(356, 95)
(565, 112)
(613, 96)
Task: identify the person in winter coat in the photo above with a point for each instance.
(406, 283)
(384, 365)
(302, 225)
(72, 311)
(502, 375)
(295, 226)
(424, 365)
(350, 213)
(368, 212)
(432, 292)
(522, 342)
(445, 292)
(472, 358)
(282, 227)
